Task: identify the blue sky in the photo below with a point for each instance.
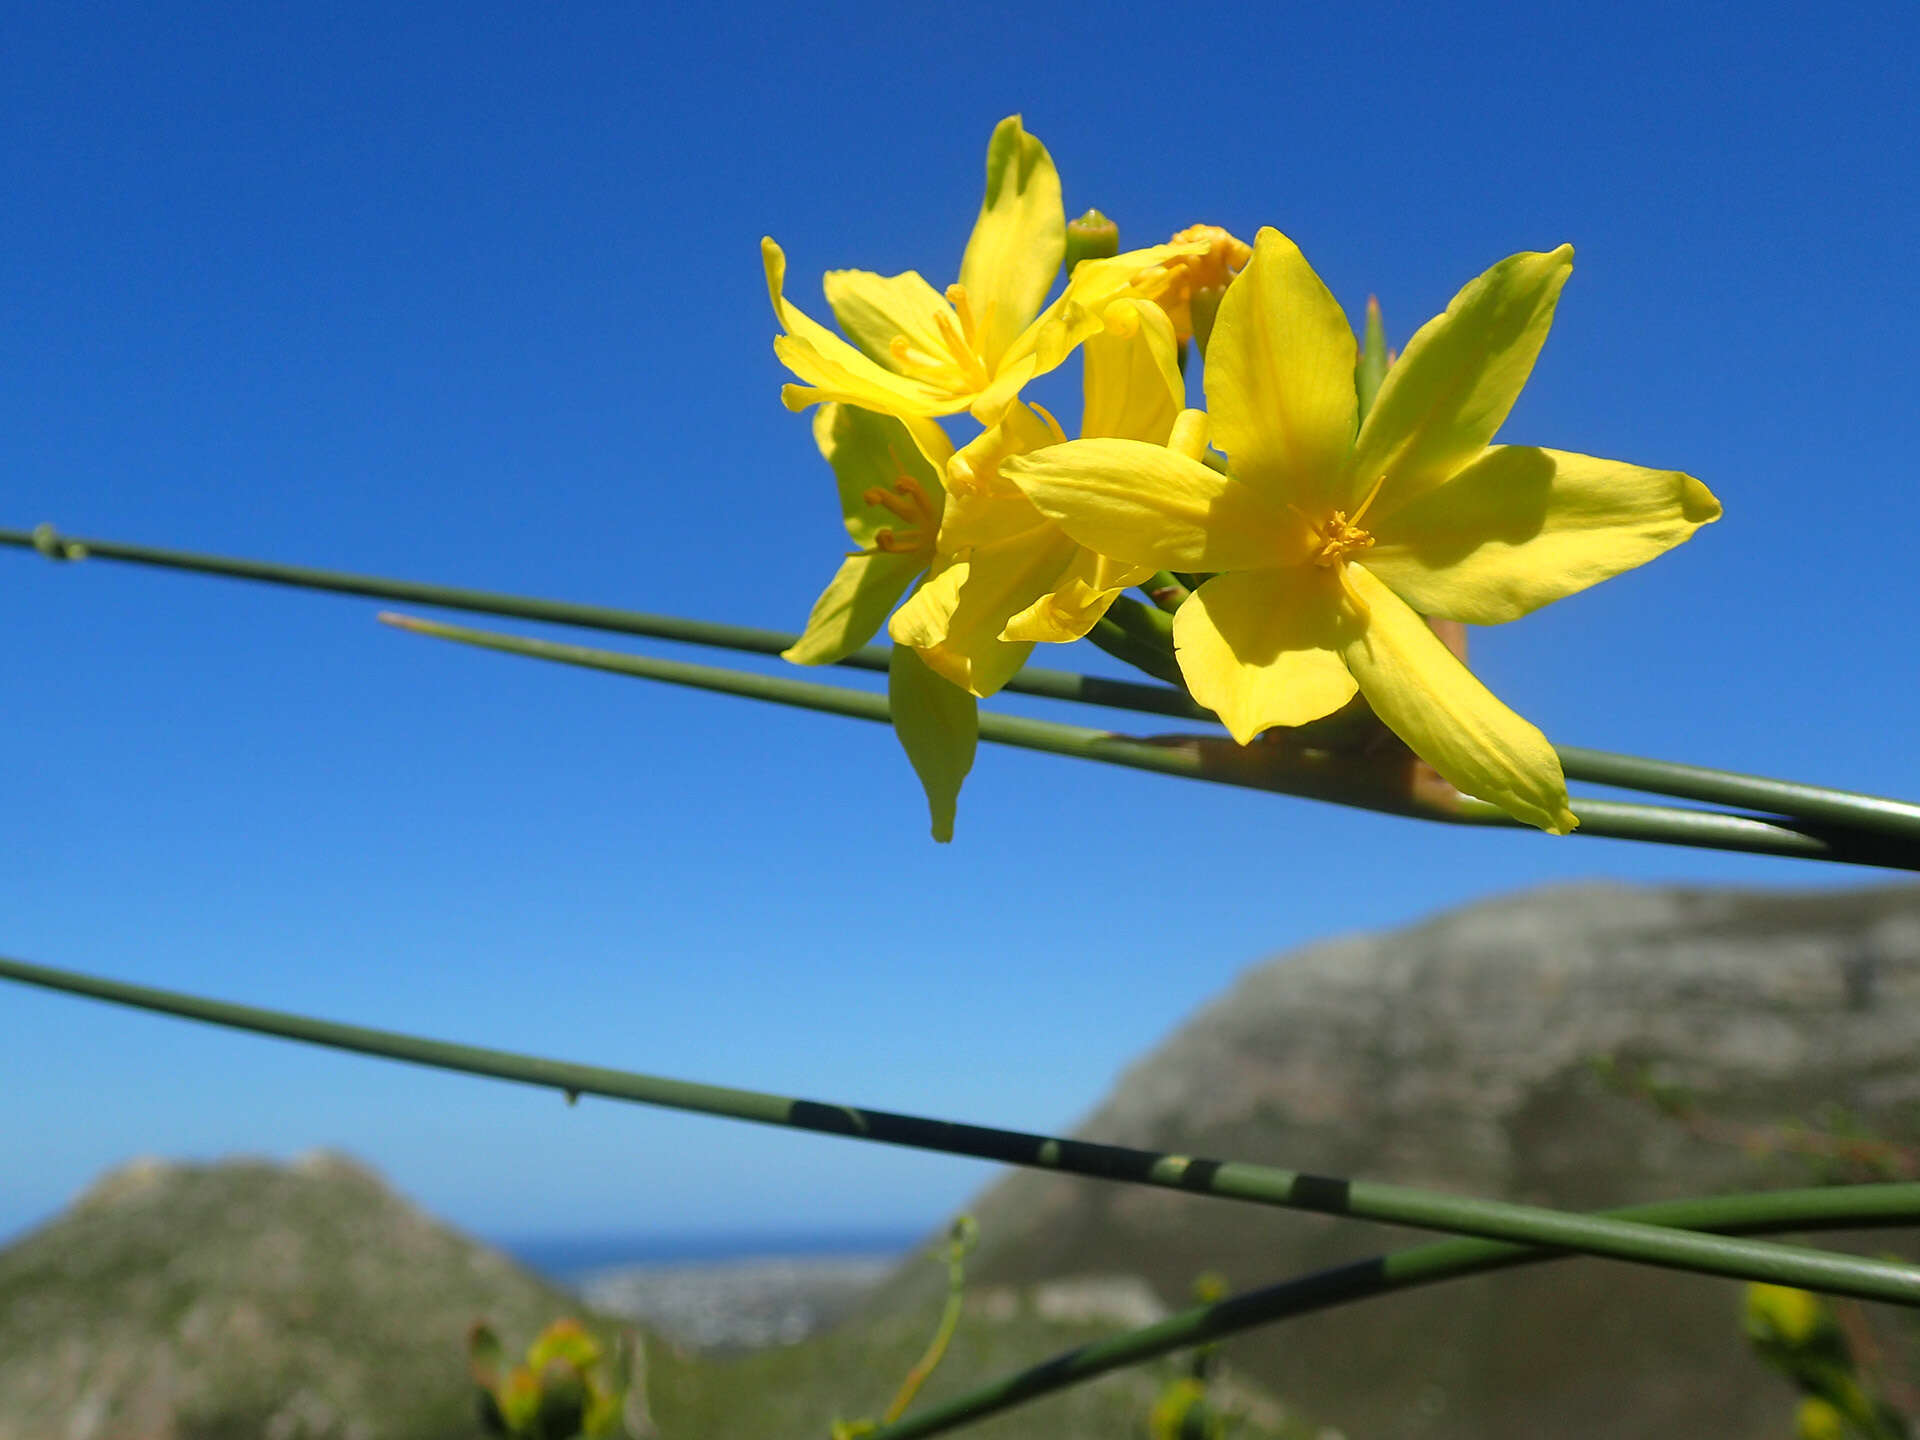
(472, 294)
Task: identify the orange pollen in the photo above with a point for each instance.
(907, 499)
(1339, 538)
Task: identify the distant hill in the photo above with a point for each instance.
(249, 1301)
(252, 1301)
(308, 1302)
(1458, 1054)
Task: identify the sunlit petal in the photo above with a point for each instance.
(1019, 240)
(1133, 384)
(1263, 647)
(1279, 378)
(835, 370)
(1080, 595)
(1447, 717)
(874, 309)
(1145, 504)
(1451, 388)
(1521, 527)
(955, 620)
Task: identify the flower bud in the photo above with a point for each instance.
(1092, 237)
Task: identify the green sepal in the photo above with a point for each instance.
(939, 727)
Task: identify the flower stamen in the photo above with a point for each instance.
(907, 499)
(1339, 538)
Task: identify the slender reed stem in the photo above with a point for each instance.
(1045, 684)
(1723, 787)
(1826, 1208)
(1810, 1269)
(1139, 642)
(1307, 773)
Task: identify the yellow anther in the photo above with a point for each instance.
(1339, 538)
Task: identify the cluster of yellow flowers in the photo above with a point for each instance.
(1324, 528)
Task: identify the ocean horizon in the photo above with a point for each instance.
(568, 1257)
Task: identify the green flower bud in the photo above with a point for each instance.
(1092, 237)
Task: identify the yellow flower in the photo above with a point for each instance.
(1329, 546)
(1005, 575)
(918, 352)
(1226, 256)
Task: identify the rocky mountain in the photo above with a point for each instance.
(248, 1299)
(1460, 1054)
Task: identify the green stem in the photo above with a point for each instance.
(936, 1351)
(1308, 774)
(1826, 1208)
(1046, 684)
(1140, 636)
(1163, 587)
(1722, 787)
(1810, 1269)
(1128, 635)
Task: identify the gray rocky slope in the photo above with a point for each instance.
(1459, 1054)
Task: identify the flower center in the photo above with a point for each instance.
(906, 498)
(1339, 538)
(955, 357)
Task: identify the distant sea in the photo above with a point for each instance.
(567, 1258)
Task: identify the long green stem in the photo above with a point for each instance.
(1751, 792)
(1809, 1269)
(1139, 641)
(1045, 684)
(1308, 773)
(1827, 1208)
(1132, 642)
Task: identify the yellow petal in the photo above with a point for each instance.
(1264, 647)
(1019, 240)
(987, 406)
(1081, 309)
(955, 620)
(1451, 388)
(871, 452)
(835, 370)
(1521, 527)
(873, 309)
(850, 609)
(1145, 504)
(1133, 384)
(1080, 596)
(939, 728)
(1279, 378)
(1447, 717)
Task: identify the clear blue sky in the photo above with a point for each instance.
(472, 293)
